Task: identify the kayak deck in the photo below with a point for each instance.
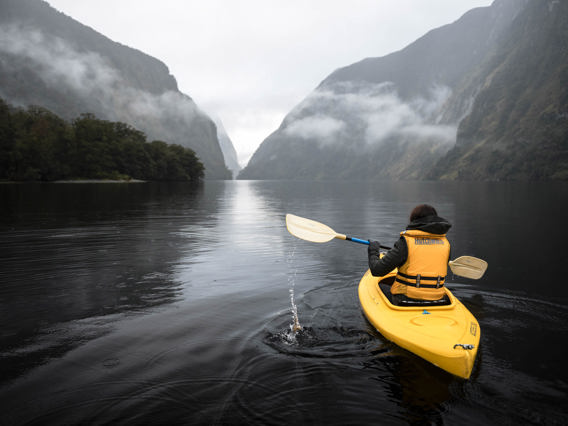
(445, 335)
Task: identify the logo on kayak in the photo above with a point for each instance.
(473, 328)
(425, 312)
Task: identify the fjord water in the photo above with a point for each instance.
(168, 303)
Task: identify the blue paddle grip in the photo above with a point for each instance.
(357, 240)
(366, 242)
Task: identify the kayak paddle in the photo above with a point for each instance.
(316, 232)
(468, 266)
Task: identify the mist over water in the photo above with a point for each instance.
(162, 303)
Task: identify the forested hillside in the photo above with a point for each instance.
(37, 145)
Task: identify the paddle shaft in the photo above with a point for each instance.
(357, 240)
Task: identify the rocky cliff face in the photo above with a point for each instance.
(50, 60)
(413, 113)
(518, 124)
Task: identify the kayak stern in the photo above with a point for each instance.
(445, 335)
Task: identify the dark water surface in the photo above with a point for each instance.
(169, 304)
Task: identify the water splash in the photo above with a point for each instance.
(295, 326)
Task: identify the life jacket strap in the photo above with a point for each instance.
(417, 280)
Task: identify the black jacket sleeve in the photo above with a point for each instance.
(393, 258)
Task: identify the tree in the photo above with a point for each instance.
(36, 144)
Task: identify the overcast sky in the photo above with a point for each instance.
(249, 62)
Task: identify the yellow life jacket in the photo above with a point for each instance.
(423, 274)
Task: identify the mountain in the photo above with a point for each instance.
(416, 113)
(518, 125)
(229, 152)
(50, 60)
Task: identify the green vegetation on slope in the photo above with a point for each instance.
(37, 145)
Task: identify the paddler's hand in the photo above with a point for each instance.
(374, 248)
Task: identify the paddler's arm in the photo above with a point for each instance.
(392, 259)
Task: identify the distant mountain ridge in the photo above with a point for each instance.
(229, 152)
(429, 110)
(50, 60)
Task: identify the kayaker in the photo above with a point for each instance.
(421, 255)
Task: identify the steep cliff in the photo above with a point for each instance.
(518, 125)
(229, 152)
(51, 60)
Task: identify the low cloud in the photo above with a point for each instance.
(439, 132)
(369, 113)
(91, 76)
(315, 127)
(57, 62)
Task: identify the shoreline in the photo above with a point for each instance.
(78, 181)
(99, 181)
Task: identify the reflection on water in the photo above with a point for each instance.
(153, 303)
(73, 252)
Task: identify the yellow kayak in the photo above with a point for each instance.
(445, 335)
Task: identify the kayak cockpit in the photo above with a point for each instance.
(385, 284)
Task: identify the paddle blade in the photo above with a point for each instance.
(309, 230)
(468, 266)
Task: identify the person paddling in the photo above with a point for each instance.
(421, 255)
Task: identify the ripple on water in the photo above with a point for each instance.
(309, 342)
